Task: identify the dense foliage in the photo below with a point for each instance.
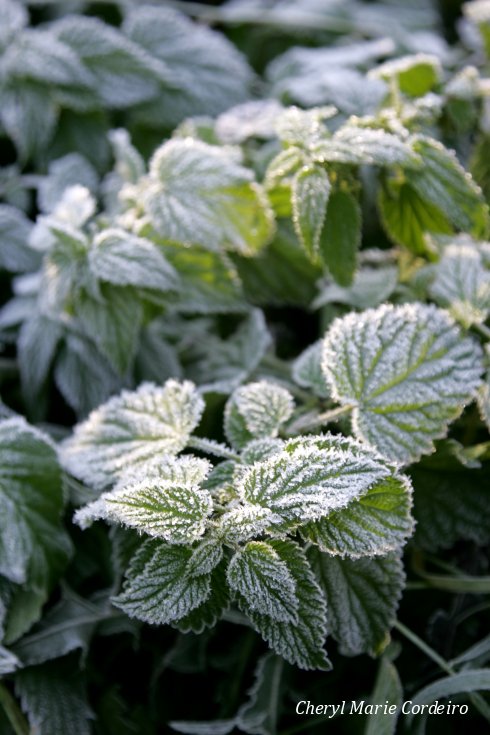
(246, 365)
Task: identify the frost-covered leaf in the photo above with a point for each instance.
(309, 195)
(256, 411)
(312, 477)
(462, 284)
(204, 73)
(255, 119)
(211, 609)
(444, 183)
(158, 589)
(355, 145)
(341, 236)
(222, 364)
(406, 371)
(362, 598)
(15, 253)
(37, 343)
(408, 216)
(63, 173)
(54, 700)
(299, 642)
(307, 370)
(387, 687)
(257, 450)
(198, 194)
(246, 521)
(34, 547)
(32, 503)
(259, 714)
(66, 627)
(122, 73)
(83, 376)
(371, 286)
(8, 661)
(131, 429)
(259, 576)
(166, 502)
(13, 18)
(129, 163)
(29, 117)
(122, 258)
(112, 322)
(378, 522)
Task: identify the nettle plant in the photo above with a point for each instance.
(226, 464)
(286, 528)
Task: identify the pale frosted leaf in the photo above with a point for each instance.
(355, 145)
(259, 714)
(256, 411)
(301, 642)
(257, 574)
(34, 547)
(198, 194)
(8, 661)
(15, 253)
(462, 284)
(204, 73)
(415, 75)
(167, 503)
(63, 173)
(122, 73)
(371, 286)
(406, 370)
(208, 612)
(254, 119)
(29, 117)
(387, 687)
(13, 18)
(309, 195)
(379, 522)
(37, 344)
(362, 598)
(257, 450)
(54, 700)
(131, 429)
(158, 589)
(129, 163)
(312, 477)
(307, 370)
(122, 258)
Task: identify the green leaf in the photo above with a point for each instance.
(263, 581)
(204, 72)
(54, 700)
(387, 688)
(66, 627)
(462, 284)
(450, 503)
(34, 548)
(378, 522)
(407, 372)
(311, 477)
(198, 194)
(210, 610)
(131, 429)
(122, 258)
(158, 589)
(408, 217)
(307, 371)
(256, 411)
(83, 376)
(462, 682)
(356, 145)
(444, 183)
(309, 195)
(362, 598)
(341, 236)
(15, 253)
(166, 501)
(300, 642)
(113, 323)
(415, 75)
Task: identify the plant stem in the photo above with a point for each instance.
(210, 447)
(13, 712)
(313, 421)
